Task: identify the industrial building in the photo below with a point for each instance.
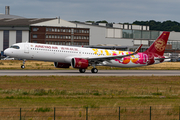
(14, 29)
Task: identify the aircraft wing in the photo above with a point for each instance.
(108, 58)
(166, 59)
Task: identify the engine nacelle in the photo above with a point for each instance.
(61, 65)
(79, 63)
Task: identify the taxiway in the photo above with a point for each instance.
(88, 73)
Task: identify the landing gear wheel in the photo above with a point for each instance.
(82, 70)
(22, 66)
(94, 70)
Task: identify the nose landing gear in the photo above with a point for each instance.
(22, 66)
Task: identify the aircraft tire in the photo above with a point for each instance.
(94, 70)
(82, 70)
(22, 66)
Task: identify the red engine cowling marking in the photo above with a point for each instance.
(79, 63)
(61, 65)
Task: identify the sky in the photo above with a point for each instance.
(113, 11)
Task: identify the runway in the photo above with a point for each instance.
(88, 73)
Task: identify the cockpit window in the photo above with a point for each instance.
(15, 46)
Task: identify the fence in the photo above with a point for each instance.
(92, 113)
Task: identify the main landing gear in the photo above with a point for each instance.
(82, 70)
(22, 66)
(93, 70)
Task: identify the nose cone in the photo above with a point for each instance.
(6, 52)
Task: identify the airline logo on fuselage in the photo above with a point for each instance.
(160, 45)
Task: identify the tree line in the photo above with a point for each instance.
(154, 25)
(160, 26)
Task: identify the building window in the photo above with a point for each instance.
(154, 34)
(137, 34)
(34, 36)
(127, 34)
(145, 34)
(35, 29)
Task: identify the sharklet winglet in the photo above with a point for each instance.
(137, 50)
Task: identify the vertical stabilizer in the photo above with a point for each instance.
(159, 45)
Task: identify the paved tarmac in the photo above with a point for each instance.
(88, 73)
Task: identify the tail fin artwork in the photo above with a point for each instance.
(159, 45)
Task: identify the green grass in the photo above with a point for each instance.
(88, 91)
(41, 109)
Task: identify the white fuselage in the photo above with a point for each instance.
(64, 54)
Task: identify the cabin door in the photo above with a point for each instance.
(26, 48)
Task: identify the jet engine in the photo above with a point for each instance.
(61, 65)
(79, 63)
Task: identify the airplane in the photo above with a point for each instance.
(82, 58)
